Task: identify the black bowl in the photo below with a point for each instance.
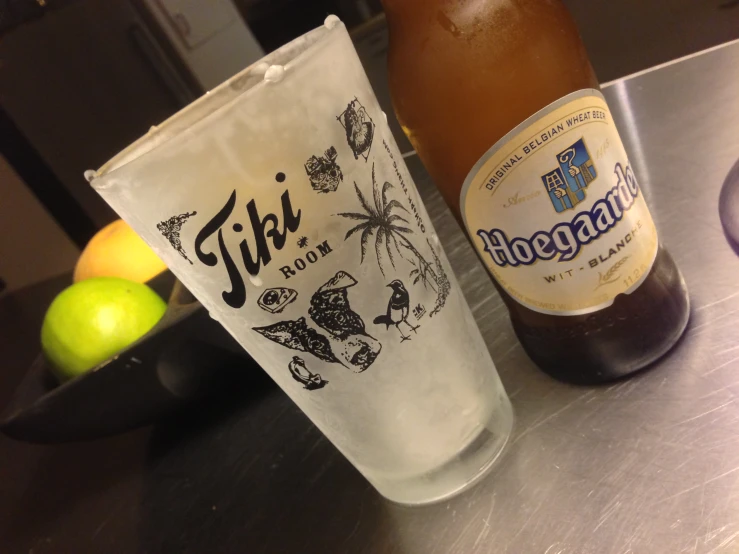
(185, 356)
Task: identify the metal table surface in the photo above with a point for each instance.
(650, 464)
(647, 465)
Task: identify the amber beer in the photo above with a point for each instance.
(501, 103)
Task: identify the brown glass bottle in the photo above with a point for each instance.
(463, 74)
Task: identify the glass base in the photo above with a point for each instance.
(458, 474)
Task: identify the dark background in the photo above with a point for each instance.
(74, 90)
(78, 82)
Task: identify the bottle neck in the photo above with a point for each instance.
(404, 13)
(398, 7)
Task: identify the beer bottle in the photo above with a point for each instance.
(500, 101)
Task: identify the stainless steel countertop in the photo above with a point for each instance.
(650, 464)
(645, 466)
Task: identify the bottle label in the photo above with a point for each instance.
(555, 211)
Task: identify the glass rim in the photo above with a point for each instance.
(249, 80)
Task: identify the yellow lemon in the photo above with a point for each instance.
(94, 320)
(117, 251)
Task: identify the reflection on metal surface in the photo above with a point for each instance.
(636, 151)
(650, 464)
(645, 466)
(728, 207)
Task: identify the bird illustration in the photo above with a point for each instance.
(397, 310)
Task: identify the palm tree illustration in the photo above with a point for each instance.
(381, 219)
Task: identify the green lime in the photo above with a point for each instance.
(95, 319)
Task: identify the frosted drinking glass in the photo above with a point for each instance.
(282, 203)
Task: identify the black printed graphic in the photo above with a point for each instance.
(303, 242)
(418, 312)
(275, 300)
(296, 335)
(171, 228)
(397, 310)
(324, 173)
(265, 234)
(329, 307)
(346, 341)
(392, 235)
(360, 130)
(309, 380)
(406, 191)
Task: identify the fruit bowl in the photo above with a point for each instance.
(185, 356)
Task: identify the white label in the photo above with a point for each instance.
(555, 211)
